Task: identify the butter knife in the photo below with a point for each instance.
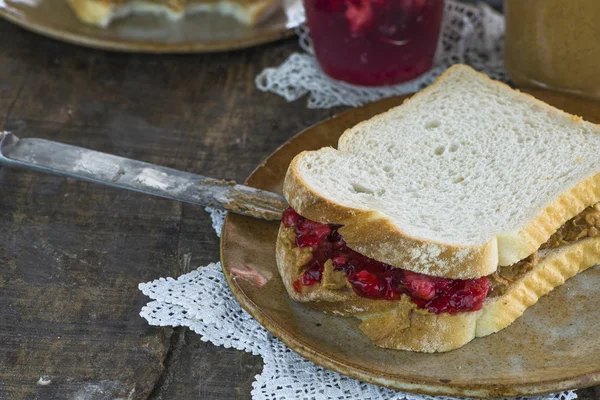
(110, 170)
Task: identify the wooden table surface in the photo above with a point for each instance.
(73, 253)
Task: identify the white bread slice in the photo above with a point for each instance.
(466, 175)
(401, 325)
(102, 12)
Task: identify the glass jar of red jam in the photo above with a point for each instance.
(374, 42)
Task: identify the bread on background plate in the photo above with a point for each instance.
(102, 12)
(446, 217)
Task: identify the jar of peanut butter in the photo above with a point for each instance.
(554, 44)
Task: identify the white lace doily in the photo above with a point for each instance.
(471, 34)
(201, 300)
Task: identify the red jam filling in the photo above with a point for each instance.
(375, 280)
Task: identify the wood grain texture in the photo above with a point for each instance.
(72, 253)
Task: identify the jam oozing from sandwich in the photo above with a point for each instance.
(376, 280)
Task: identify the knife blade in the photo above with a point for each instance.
(120, 172)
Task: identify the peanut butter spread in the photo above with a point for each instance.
(302, 255)
(585, 224)
(333, 279)
(504, 276)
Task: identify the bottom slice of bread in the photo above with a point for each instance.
(401, 325)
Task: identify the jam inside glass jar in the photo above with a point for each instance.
(374, 42)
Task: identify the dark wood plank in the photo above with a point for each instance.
(199, 370)
(72, 253)
(592, 393)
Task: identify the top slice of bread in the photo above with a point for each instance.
(466, 175)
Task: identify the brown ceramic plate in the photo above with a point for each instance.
(194, 33)
(554, 346)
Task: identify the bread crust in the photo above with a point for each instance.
(518, 245)
(389, 244)
(401, 325)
